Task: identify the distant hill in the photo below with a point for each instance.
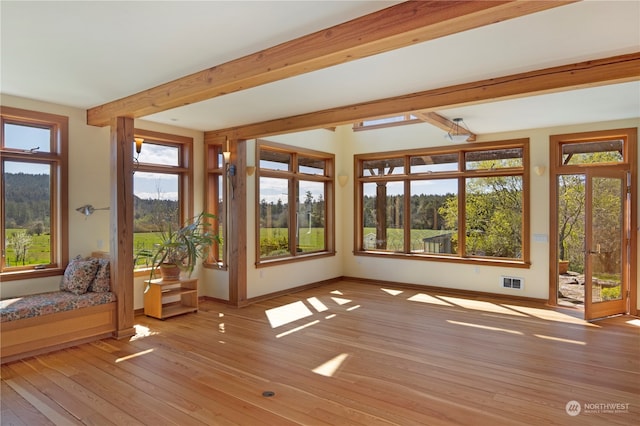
(27, 202)
(26, 199)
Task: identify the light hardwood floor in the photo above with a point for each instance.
(345, 353)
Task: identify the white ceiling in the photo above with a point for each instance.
(84, 54)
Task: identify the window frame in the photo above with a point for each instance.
(462, 174)
(184, 170)
(57, 158)
(405, 119)
(293, 177)
(215, 177)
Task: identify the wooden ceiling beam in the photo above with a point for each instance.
(441, 122)
(600, 72)
(397, 26)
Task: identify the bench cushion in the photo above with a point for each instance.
(49, 303)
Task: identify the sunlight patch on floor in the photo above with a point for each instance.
(288, 313)
(137, 354)
(341, 301)
(330, 367)
(479, 305)
(560, 339)
(336, 292)
(549, 315)
(391, 291)
(425, 298)
(485, 327)
(317, 304)
(142, 332)
(635, 322)
(293, 330)
(353, 308)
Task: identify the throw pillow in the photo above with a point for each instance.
(78, 275)
(101, 282)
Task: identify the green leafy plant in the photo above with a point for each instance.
(184, 246)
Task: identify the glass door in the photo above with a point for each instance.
(606, 244)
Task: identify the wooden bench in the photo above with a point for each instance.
(39, 323)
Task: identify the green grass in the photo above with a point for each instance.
(395, 237)
(37, 254)
(310, 240)
(39, 250)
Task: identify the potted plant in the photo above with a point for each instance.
(180, 249)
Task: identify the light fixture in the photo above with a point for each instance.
(458, 132)
(539, 170)
(343, 179)
(231, 168)
(251, 170)
(88, 209)
(138, 142)
(226, 156)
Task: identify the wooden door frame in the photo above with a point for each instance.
(556, 168)
(600, 310)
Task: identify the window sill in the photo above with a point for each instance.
(483, 261)
(30, 274)
(292, 259)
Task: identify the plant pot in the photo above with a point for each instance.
(169, 272)
(563, 267)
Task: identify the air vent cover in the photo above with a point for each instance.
(515, 283)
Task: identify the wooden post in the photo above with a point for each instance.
(122, 222)
(237, 220)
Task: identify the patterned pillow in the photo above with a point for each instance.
(101, 282)
(78, 275)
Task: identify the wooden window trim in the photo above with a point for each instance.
(184, 170)
(58, 156)
(557, 168)
(292, 176)
(214, 171)
(461, 175)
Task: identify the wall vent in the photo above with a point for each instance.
(515, 283)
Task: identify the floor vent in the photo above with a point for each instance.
(515, 283)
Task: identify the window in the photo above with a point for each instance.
(379, 123)
(215, 196)
(445, 203)
(295, 203)
(33, 162)
(162, 188)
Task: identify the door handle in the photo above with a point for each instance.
(596, 251)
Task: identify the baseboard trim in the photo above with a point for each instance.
(470, 294)
(419, 287)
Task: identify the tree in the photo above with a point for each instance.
(37, 228)
(493, 216)
(571, 199)
(21, 243)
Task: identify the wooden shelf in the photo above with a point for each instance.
(168, 298)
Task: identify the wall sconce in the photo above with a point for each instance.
(88, 209)
(138, 142)
(343, 179)
(539, 170)
(231, 168)
(251, 170)
(458, 132)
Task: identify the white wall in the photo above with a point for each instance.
(270, 279)
(88, 184)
